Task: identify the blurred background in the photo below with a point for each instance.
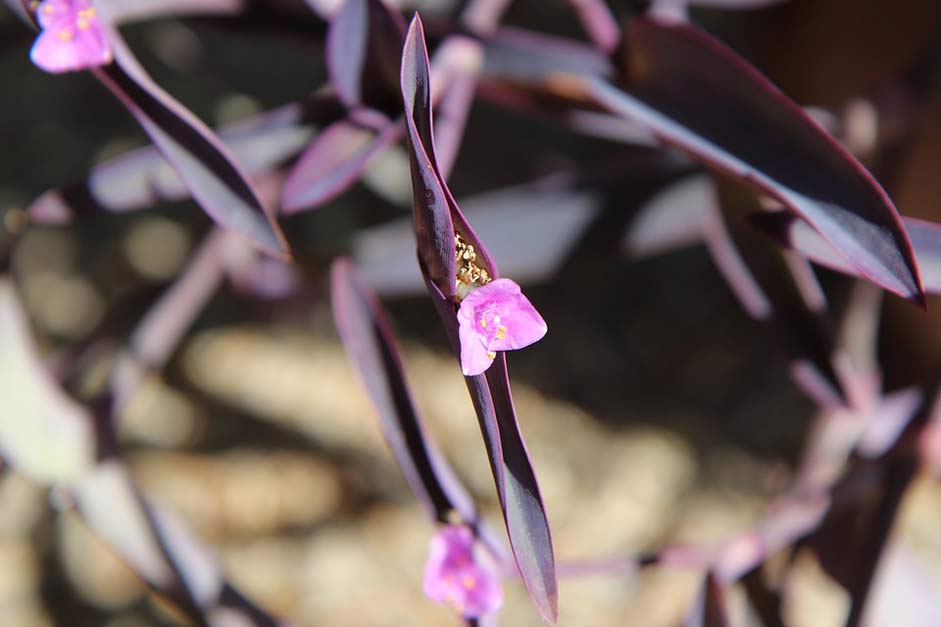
(655, 410)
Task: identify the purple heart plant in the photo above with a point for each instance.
(700, 147)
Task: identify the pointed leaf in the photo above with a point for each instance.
(531, 57)
(159, 332)
(333, 162)
(126, 11)
(143, 177)
(434, 228)
(371, 346)
(674, 218)
(198, 156)
(779, 291)
(364, 47)
(710, 608)
(852, 538)
(161, 550)
(795, 233)
(437, 216)
(738, 122)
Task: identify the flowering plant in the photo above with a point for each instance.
(697, 146)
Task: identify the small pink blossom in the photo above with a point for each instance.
(496, 317)
(452, 576)
(72, 37)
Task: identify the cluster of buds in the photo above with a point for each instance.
(468, 272)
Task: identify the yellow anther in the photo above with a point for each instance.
(491, 355)
(65, 34)
(501, 332)
(483, 323)
(469, 582)
(468, 272)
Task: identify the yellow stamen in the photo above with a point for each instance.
(483, 323)
(469, 582)
(491, 355)
(468, 272)
(65, 34)
(501, 332)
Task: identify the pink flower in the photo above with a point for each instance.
(496, 317)
(453, 577)
(72, 37)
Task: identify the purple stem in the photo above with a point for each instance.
(600, 25)
(159, 332)
(482, 17)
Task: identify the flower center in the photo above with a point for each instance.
(492, 324)
(84, 16)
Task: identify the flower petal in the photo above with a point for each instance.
(72, 38)
(475, 358)
(500, 291)
(454, 577)
(52, 13)
(524, 326)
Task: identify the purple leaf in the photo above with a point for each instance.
(52, 439)
(709, 610)
(674, 218)
(528, 57)
(372, 348)
(795, 233)
(740, 123)
(886, 422)
(599, 23)
(364, 47)
(198, 156)
(554, 102)
(434, 228)
(160, 549)
(158, 334)
(437, 219)
(333, 162)
(126, 11)
(257, 275)
(142, 178)
(778, 290)
(851, 540)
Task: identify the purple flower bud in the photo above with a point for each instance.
(72, 37)
(453, 577)
(496, 317)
